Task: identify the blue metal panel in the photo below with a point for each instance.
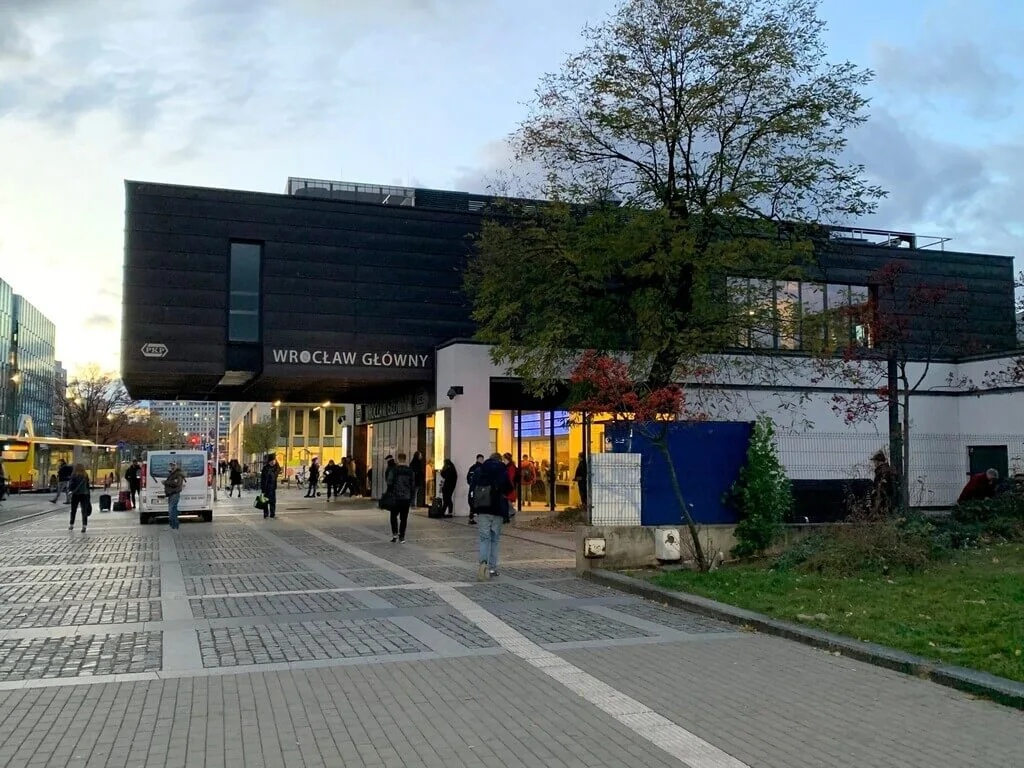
(707, 456)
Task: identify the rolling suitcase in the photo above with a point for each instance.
(124, 498)
(105, 502)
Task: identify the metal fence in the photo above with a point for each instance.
(939, 466)
(939, 463)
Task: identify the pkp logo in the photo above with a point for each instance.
(154, 350)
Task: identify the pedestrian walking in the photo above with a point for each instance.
(471, 482)
(492, 507)
(332, 479)
(580, 478)
(401, 490)
(419, 473)
(79, 487)
(235, 478)
(449, 479)
(174, 484)
(134, 477)
(268, 485)
(314, 479)
(64, 472)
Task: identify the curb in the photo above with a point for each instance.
(26, 517)
(999, 689)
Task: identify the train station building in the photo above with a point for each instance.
(343, 293)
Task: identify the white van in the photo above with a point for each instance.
(196, 496)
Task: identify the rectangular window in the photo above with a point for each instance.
(787, 310)
(300, 422)
(244, 292)
(314, 424)
(329, 422)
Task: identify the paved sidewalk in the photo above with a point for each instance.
(311, 640)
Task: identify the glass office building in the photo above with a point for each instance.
(8, 407)
(33, 363)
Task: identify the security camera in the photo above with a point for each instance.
(454, 392)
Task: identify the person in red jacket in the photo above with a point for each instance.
(513, 477)
(980, 486)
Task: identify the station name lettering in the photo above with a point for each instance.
(364, 359)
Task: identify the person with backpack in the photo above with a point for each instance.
(492, 485)
(471, 481)
(401, 488)
(174, 483)
(79, 490)
(527, 478)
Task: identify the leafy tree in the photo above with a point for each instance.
(259, 439)
(152, 432)
(687, 141)
(763, 494)
(911, 325)
(97, 406)
(603, 384)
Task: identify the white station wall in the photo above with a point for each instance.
(814, 440)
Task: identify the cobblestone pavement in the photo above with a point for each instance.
(311, 640)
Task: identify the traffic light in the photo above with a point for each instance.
(194, 439)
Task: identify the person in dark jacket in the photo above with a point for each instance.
(332, 479)
(81, 496)
(980, 486)
(235, 477)
(64, 472)
(134, 477)
(401, 485)
(268, 484)
(449, 479)
(419, 471)
(580, 478)
(314, 479)
(470, 480)
(492, 487)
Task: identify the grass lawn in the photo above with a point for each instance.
(967, 611)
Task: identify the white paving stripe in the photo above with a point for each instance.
(639, 718)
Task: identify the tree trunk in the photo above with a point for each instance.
(698, 550)
(905, 485)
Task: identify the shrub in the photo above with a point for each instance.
(1008, 505)
(763, 495)
(800, 552)
(885, 547)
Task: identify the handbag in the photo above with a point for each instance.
(260, 502)
(483, 497)
(387, 500)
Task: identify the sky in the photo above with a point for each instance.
(244, 93)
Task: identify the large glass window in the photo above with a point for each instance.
(791, 315)
(244, 293)
(300, 422)
(328, 422)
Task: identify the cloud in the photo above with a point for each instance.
(961, 69)
(100, 322)
(941, 188)
(197, 69)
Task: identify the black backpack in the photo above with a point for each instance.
(402, 484)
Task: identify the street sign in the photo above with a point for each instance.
(154, 350)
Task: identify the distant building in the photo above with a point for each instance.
(195, 417)
(27, 346)
(304, 431)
